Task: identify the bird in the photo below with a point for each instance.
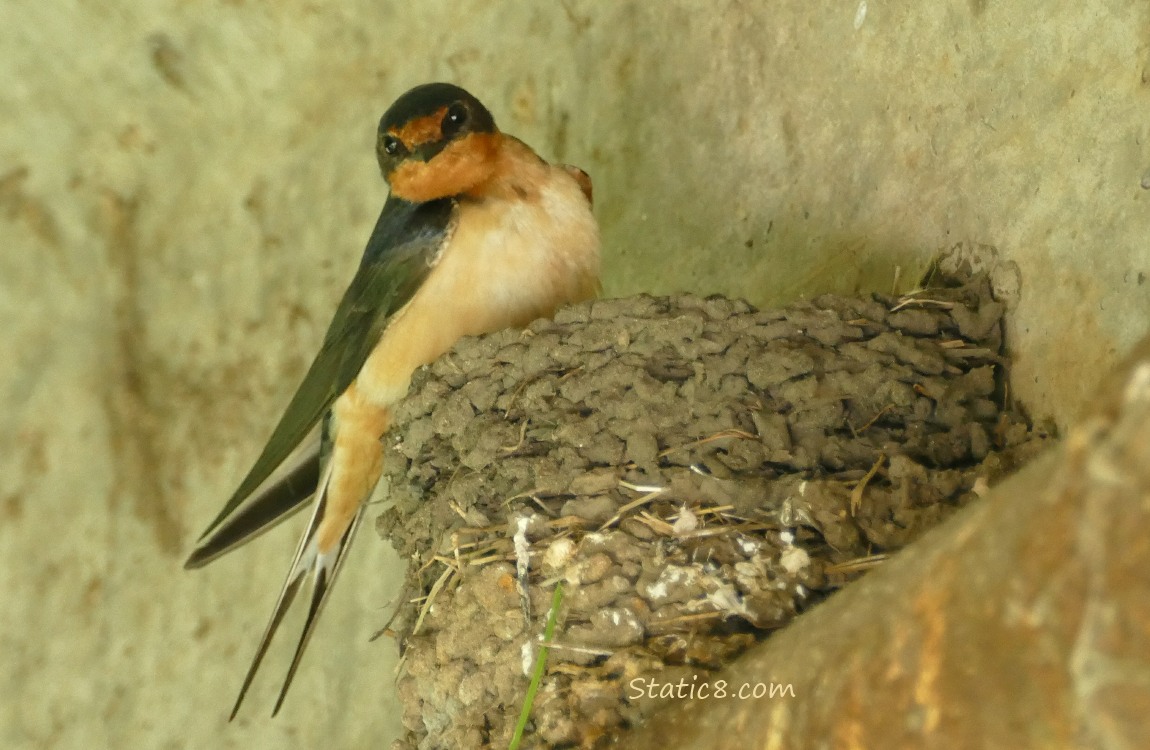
(478, 233)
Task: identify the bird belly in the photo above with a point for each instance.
(357, 426)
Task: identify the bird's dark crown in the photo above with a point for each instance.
(423, 101)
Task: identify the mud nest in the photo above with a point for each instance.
(694, 472)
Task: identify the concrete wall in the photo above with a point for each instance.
(185, 189)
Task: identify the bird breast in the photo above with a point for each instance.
(527, 247)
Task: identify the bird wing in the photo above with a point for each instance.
(278, 498)
(400, 253)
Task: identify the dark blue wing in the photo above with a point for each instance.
(398, 257)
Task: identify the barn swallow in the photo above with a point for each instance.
(477, 234)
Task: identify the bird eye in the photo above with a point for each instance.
(391, 145)
(454, 120)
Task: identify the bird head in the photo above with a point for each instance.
(436, 141)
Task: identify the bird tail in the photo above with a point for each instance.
(324, 568)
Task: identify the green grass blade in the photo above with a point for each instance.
(540, 665)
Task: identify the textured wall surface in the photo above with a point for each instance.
(185, 188)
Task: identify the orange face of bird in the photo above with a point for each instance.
(436, 141)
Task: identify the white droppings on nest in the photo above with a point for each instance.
(726, 599)
(527, 657)
(623, 617)
(747, 546)
(558, 553)
(672, 576)
(792, 513)
(793, 559)
(522, 562)
(686, 522)
(522, 546)
(656, 591)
